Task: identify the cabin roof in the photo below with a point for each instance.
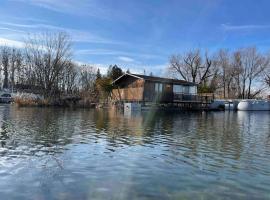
(155, 79)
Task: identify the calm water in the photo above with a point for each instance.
(88, 154)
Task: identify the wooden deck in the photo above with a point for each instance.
(197, 102)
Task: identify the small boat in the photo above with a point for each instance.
(217, 104)
(6, 98)
(254, 105)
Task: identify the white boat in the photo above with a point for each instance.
(218, 104)
(231, 104)
(253, 104)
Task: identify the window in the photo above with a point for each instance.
(177, 88)
(158, 87)
(192, 89)
(186, 89)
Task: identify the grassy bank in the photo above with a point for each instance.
(29, 102)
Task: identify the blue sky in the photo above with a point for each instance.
(139, 34)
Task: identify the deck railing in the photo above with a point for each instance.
(185, 97)
(205, 98)
(136, 94)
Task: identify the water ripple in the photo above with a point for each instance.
(87, 153)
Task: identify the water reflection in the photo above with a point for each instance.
(86, 154)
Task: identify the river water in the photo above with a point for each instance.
(50, 153)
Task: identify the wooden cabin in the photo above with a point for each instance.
(141, 88)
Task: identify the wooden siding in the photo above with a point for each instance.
(128, 94)
(129, 89)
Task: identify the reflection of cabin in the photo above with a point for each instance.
(133, 87)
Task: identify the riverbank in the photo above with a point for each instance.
(41, 102)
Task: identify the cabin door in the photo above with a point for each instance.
(168, 94)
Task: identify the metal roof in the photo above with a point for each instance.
(156, 79)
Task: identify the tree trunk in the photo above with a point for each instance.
(243, 89)
(249, 88)
(224, 89)
(5, 85)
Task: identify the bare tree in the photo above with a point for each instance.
(5, 56)
(223, 62)
(192, 66)
(69, 79)
(12, 66)
(237, 70)
(235, 73)
(267, 79)
(48, 55)
(19, 65)
(228, 70)
(87, 78)
(186, 65)
(253, 65)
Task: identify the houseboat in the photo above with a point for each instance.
(136, 88)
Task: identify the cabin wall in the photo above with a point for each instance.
(166, 93)
(129, 89)
(130, 82)
(158, 92)
(149, 91)
(134, 89)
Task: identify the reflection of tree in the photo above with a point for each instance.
(209, 139)
(101, 119)
(46, 127)
(134, 129)
(255, 131)
(158, 122)
(40, 136)
(37, 131)
(4, 126)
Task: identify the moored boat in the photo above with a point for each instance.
(254, 105)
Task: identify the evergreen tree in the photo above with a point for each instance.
(98, 76)
(114, 72)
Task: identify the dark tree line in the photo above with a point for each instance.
(45, 66)
(233, 74)
(44, 63)
(11, 64)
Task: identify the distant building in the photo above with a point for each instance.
(142, 88)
